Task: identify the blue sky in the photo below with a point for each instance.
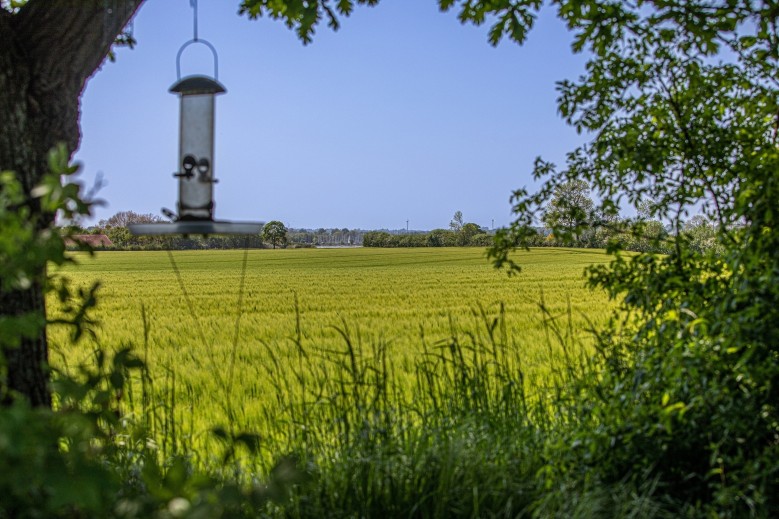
(402, 114)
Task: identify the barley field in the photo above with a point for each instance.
(223, 353)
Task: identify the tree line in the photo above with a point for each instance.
(459, 234)
(116, 228)
(274, 234)
(571, 212)
(576, 223)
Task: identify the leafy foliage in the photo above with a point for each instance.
(570, 209)
(681, 100)
(457, 221)
(511, 17)
(87, 459)
(27, 246)
(84, 458)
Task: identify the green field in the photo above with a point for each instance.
(401, 299)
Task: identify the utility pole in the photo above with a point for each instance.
(493, 224)
(406, 226)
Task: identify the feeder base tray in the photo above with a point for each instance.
(194, 227)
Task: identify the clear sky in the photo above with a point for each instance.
(402, 114)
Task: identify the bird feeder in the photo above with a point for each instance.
(195, 173)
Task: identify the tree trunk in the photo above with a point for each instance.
(48, 50)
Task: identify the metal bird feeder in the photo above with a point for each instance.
(196, 159)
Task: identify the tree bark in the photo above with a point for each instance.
(48, 50)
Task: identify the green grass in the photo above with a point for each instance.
(397, 303)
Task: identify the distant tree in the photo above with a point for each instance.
(457, 221)
(468, 231)
(412, 240)
(569, 210)
(125, 218)
(275, 232)
(119, 235)
(648, 236)
(481, 240)
(376, 239)
(441, 238)
(702, 233)
(116, 229)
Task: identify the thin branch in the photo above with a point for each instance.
(691, 146)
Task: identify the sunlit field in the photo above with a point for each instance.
(226, 356)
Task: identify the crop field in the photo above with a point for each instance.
(221, 352)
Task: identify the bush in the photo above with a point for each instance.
(480, 240)
(375, 239)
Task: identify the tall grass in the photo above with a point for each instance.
(462, 432)
(460, 439)
(352, 431)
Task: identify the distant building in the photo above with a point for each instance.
(93, 240)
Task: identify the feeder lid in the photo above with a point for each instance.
(195, 85)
